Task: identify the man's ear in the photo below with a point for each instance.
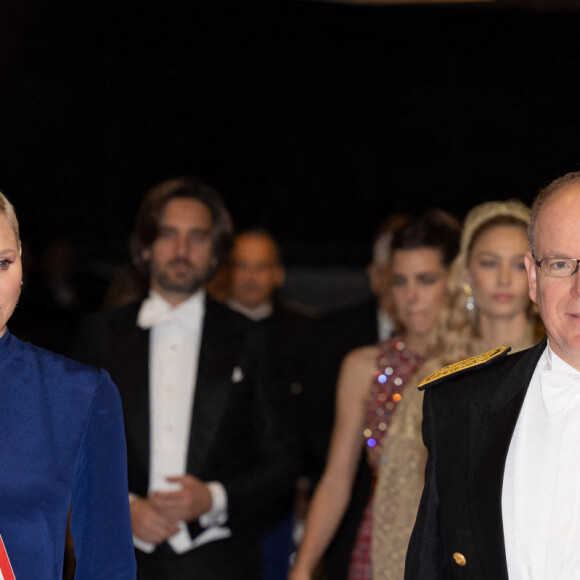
(146, 255)
(532, 276)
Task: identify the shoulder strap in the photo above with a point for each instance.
(465, 365)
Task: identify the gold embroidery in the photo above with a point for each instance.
(464, 364)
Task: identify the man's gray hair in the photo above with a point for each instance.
(543, 196)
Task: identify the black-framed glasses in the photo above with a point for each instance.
(558, 267)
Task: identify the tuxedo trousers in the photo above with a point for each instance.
(228, 559)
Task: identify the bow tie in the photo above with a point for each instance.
(558, 390)
(155, 311)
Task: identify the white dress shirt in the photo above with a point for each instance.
(260, 312)
(174, 343)
(541, 490)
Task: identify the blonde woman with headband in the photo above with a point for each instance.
(489, 307)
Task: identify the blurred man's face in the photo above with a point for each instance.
(256, 272)
(181, 257)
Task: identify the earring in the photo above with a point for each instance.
(470, 301)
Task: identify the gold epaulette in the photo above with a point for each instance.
(465, 365)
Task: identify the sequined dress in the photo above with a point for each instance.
(395, 366)
(400, 477)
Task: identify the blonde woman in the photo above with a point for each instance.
(63, 451)
(489, 306)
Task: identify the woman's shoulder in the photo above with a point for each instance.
(58, 386)
(373, 355)
(364, 357)
(53, 367)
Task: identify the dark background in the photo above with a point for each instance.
(313, 119)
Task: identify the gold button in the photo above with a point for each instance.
(459, 559)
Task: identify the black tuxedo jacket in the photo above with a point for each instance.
(468, 422)
(237, 431)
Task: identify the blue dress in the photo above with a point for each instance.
(61, 445)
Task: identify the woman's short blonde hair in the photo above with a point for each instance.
(7, 209)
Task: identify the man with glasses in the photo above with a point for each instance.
(501, 497)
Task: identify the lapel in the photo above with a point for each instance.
(130, 353)
(491, 425)
(217, 359)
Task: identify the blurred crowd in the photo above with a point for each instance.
(314, 445)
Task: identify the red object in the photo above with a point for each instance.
(6, 572)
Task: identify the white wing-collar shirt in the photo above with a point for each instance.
(541, 491)
(174, 344)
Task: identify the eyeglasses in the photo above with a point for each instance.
(558, 267)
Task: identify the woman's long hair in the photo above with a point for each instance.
(456, 335)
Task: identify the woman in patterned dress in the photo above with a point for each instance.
(489, 307)
(373, 381)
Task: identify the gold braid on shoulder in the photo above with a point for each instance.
(464, 365)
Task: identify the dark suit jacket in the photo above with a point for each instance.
(237, 434)
(468, 422)
(292, 343)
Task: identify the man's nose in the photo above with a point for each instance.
(181, 246)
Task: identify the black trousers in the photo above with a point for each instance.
(229, 559)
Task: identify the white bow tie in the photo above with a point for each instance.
(155, 311)
(558, 390)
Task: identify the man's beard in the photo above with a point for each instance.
(181, 284)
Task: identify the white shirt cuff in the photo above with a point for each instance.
(143, 546)
(218, 513)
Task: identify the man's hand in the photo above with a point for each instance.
(187, 504)
(148, 524)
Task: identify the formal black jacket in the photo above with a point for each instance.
(468, 422)
(237, 430)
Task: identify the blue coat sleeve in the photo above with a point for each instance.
(100, 519)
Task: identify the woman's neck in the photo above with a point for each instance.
(505, 331)
(416, 343)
